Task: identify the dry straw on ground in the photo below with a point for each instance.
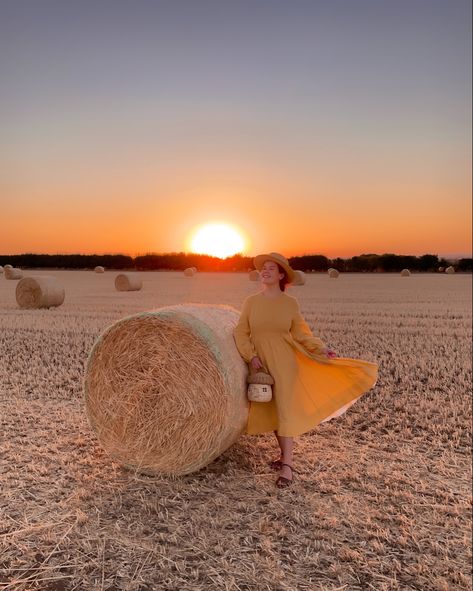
(333, 273)
(381, 500)
(165, 390)
(405, 273)
(42, 291)
(12, 273)
(128, 282)
(254, 275)
(99, 269)
(299, 278)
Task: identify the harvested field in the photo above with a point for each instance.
(381, 499)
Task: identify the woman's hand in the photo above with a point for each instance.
(256, 363)
(329, 353)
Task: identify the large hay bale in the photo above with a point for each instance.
(299, 278)
(12, 273)
(450, 270)
(254, 275)
(189, 272)
(165, 390)
(7, 267)
(405, 273)
(39, 291)
(194, 269)
(99, 269)
(128, 282)
(333, 273)
(1, 269)
(441, 269)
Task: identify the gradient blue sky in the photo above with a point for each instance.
(335, 127)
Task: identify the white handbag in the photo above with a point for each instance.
(259, 385)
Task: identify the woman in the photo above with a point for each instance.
(311, 384)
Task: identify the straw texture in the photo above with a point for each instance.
(299, 278)
(165, 390)
(99, 269)
(7, 267)
(189, 272)
(128, 282)
(405, 273)
(450, 270)
(42, 291)
(12, 273)
(333, 273)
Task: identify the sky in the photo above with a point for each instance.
(335, 127)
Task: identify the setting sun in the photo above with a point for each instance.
(217, 239)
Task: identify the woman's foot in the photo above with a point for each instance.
(276, 464)
(285, 477)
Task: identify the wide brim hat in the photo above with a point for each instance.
(259, 261)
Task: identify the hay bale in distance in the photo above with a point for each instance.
(194, 269)
(1, 269)
(441, 269)
(189, 272)
(165, 390)
(12, 273)
(450, 270)
(99, 269)
(299, 278)
(253, 275)
(333, 273)
(39, 291)
(405, 273)
(7, 267)
(128, 282)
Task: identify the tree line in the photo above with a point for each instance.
(178, 261)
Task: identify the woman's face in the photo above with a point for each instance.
(270, 274)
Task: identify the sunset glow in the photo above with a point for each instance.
(217, 239)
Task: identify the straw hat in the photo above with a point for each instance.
(259, 261)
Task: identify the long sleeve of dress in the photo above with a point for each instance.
(242, 334)
(302, 334)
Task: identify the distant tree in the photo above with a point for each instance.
(428, 262)
(465, 265)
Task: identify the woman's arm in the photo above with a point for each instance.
(302, 334)
(242, 332)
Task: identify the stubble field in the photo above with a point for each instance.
(381, 499)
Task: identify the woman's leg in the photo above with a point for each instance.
(286, 444)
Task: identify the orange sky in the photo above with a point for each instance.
(324, 129)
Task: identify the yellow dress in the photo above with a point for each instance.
(308, 387)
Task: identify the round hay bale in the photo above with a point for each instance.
(194, 269)
(41, 291)
(299, 278)
(1, 269)
(253, 275)
(7, 267)
(441, 269)
(165, 390)
(189, 272)
(405, 273)
(450, 270)
(99, 269)
(128, 282)
(333, 273)
(12, 273)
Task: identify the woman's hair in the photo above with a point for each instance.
(285, 280)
